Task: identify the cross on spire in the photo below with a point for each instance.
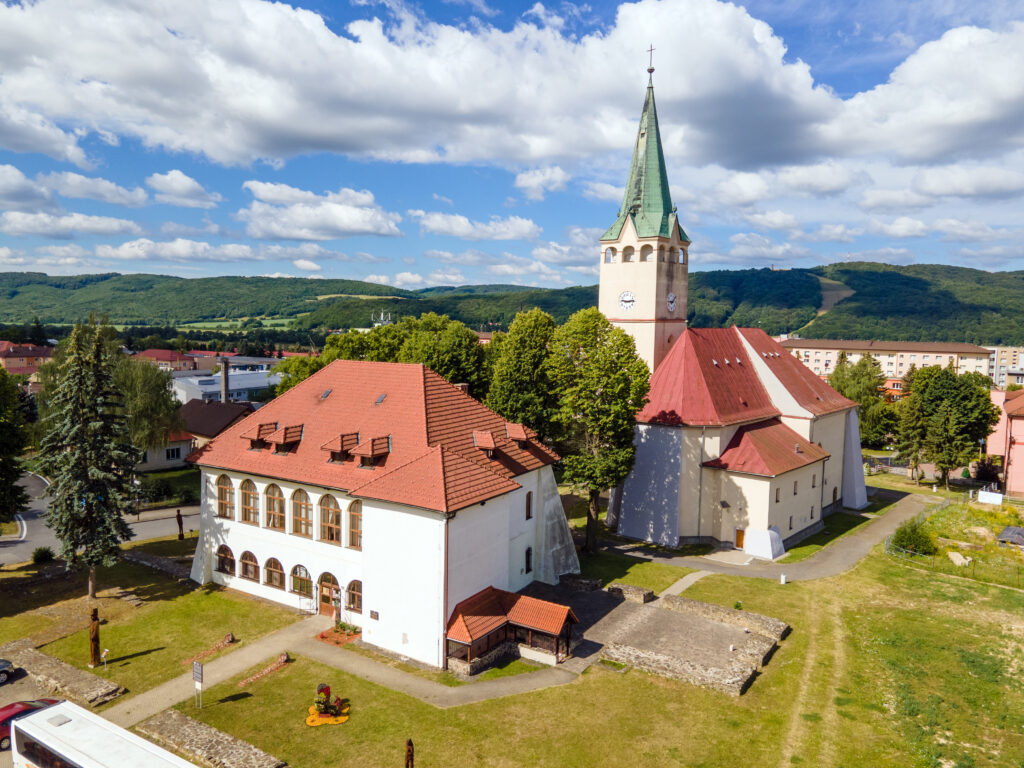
(650, 66)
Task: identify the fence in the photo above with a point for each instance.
(1009, 575)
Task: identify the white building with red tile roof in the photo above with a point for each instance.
(382, 492)
(741, 445)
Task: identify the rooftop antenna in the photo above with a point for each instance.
(380, 318)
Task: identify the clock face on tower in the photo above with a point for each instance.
(627, 300)
(671, 302)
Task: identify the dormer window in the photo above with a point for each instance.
(286, 439)
(259, 436)
(340, 457)
(340, 448)
(484, 441)
(373, 451)
(517, 432)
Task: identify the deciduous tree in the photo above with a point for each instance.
(521, 390)
(911, 433)
(601, 383)
(88, 455)
(150, 408)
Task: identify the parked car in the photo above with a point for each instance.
(6, 668)
(16, 710)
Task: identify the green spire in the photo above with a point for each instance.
(647, 200)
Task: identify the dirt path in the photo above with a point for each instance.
(830, 709)
(798, 726)
(832, 292)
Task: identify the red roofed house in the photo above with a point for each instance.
(382, 492)
(740, 444)
(168, 359)
(170, 456)
(23, 359)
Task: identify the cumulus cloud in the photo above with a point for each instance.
(63, 226)
(833, 233)
(773, 220)
(282, 212)
(469, 258)
(457, 225)
(750, 247)
(76, 185)
(885, 255)
(177, 188)
(581, 247)
(955, 230)
(742, 189)
(180, 250)
(904, 226)
(536, 183)
(18, 193)
(599, 190)
(893, 198)
(306, 265)
(821, 179)
(969, 181)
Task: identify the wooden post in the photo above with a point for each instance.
(94, 639)
(410, 754)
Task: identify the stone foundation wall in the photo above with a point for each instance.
(629, 592)
(733, 680)
(203, 743)
(755, 622)
(56, 676)
(796, 538)
(463, 668)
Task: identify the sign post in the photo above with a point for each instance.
(197, 676)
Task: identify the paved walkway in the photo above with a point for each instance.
(830, 561)
(685, 583)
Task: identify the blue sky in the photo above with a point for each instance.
(472, 141)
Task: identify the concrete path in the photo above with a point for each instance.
(686, 582)
(830, 561)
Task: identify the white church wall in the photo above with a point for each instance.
(650, 509)
(830, 431)
(855, 494)
(702, 445)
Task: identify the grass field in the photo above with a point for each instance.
(9, 529)
(836, 526)
(886, 666)
(167, 546)
(609, 567)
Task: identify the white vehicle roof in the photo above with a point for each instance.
(92, 741)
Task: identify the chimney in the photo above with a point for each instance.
(463, 387)
(224, 380)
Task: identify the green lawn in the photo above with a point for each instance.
(167, 546)
(148, 645)
(610, 566)
(22, 625)
(897, 483)
(508, 669)
(184, 484)
(9, 529)
(836, 526)
(886, 667)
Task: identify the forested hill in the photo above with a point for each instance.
(919, 302)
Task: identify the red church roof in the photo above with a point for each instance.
(767, 448)
(492, 608)
(430, 461)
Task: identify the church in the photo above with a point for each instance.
(383, 495)
(739, 444)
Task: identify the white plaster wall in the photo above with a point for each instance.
(830, 431)
(157, 457)
(651, 498)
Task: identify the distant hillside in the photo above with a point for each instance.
(919, 302)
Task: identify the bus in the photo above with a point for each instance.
(68, 736)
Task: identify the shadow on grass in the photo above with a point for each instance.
(135, 655)
(235, 697)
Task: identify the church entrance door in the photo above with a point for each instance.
(739, 538)
(330, 594)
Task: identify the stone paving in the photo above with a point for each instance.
(204, 743)
(54, 675)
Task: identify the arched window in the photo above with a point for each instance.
(355, 525)
(302, 514)
(529, 559)
(250, 567)
(645, 252)
(627, 253)
(225, 497)
(225, 560)
(273, 573)
(330, 520)
(529, 505)
(302, 583)
(275, 507)
(354, 597)
(250, 503)
(661, 253)
(609, 256)
(682, 256)
(330, 593)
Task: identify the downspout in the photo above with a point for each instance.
(444, 608)
(700, 483)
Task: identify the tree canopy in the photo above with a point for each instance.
(13, 438)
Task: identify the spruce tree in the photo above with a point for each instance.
(13, 436)
(911, 433)
(87, 453)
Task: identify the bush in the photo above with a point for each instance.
(188, 496)
(42, 555)
(155, 488)
(912, 537)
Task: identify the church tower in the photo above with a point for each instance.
(644, 254)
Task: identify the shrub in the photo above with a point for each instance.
(188, 496)
(912, 537)
(155, 488)
(42, 555)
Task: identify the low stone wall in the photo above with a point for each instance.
(733, 680)
(578, 583)
(54, 675)
(629, 592)
(163, 564)
(201, 742)
(755, 622)
(467, 669)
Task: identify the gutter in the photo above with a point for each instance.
(700, 484)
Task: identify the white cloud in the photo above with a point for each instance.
(582, 247)
(27, 129)
(282, 212)
(479, 6)
(469, 258)
(180, 250)
(64, 226)
(307, 265)
(457, 225)
(174, 229)
(17, 193)
(893, 199)
(379, 279)
(959, 231)
(822, 179)
(407, 280)
(742, 189)
(904, 226)
(177, 188)
(833, 233)
(442, 199)
(76, 185)
(528, 271)
(446, 276)
(598, 190)
(773, 220)
(964, 181)
(750, 247)
(536, 183)
(885, 255)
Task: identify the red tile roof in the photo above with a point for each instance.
(808, 389)
(164, 355)
(211, 417)
(346, 441)
(1014, 404)
(179, 436)
(706, 380)
(421, 412)
(767, 448)
(492, 608)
